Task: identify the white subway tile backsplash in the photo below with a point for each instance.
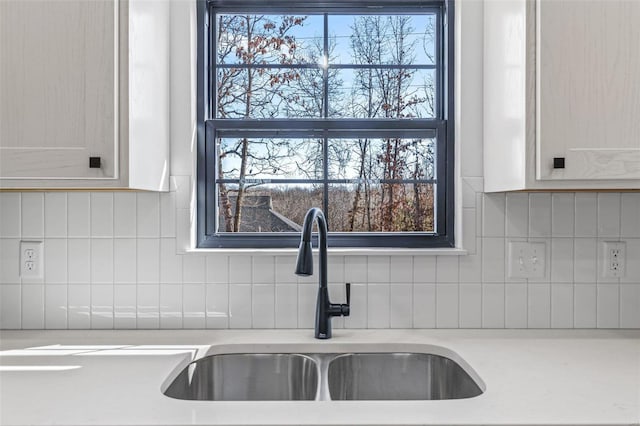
(9, 261)
(629, 302)
(400, 306)
(217, 306)
(124, 306)
(355, 269)
(286, 305)
(78, 214)
(285, 265)
(240, 304)
(148, 306)
(55, 215)
(562, 214)
(240, 269)
(78, 260)
(584, 305)
(170, 262)
(471, 267)
(447, 269)
(378, 269)
(10, 306)
(494, 215)
(630, 216)
(194, 305)
(9, 215)
(168, 215)
(193, 269)
(55, 261)
(32, 215)
(263, 269)
(102, 306)
(424, 305)
(493, 260)
(493, 309)
(378, 306)
(608, 308)
(586, 214)
(263, 305)
(55, 306)
(584, 260)
(124, 260)
(609, 215)
(517, 215)
(562, 260)
(101, 261)
(101, 214)
(106, 253)
(217, 269)
(515, 305)
(336, 269)
(447, 312)
(632, 265)
(171, 309)
(424, 269)
(124, 214)
(561, 305)
(148, 214)
(539, 215)
(148, 259)
(307, 306)
(469, 230)
(470, 305)
(79, 299)
(539, 305)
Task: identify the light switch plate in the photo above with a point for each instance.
(527, 260)
(31, 259)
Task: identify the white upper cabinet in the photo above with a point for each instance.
(562, 94)
(64, 97)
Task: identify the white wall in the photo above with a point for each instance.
(111, 258)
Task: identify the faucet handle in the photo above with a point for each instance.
(348, 290)
(346, 308)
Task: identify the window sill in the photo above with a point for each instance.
(339, 251)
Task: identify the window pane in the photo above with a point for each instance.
(389, 158)
(271, 158)
(266, 207)
(269, 93)
(368, 207)
(269, 39)
(382, 39)
(383, 93)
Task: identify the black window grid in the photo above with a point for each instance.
(325, 127)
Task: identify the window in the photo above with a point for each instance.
(346, 106)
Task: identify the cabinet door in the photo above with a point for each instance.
(588, 89)
(58, 88)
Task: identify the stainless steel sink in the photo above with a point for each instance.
(398, 376)
(247, 377)
(323, 376)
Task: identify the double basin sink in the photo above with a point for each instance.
(323, 377)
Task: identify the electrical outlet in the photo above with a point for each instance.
(614, 259)
(527, 260)
(31, 259)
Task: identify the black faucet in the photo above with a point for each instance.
(304, 267)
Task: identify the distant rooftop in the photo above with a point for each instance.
(258, 215)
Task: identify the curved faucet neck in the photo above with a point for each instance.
(315, 215)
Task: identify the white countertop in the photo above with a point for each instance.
(532, 377)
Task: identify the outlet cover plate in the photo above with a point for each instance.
(31, 264)
(615, 259)
(527, 260)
